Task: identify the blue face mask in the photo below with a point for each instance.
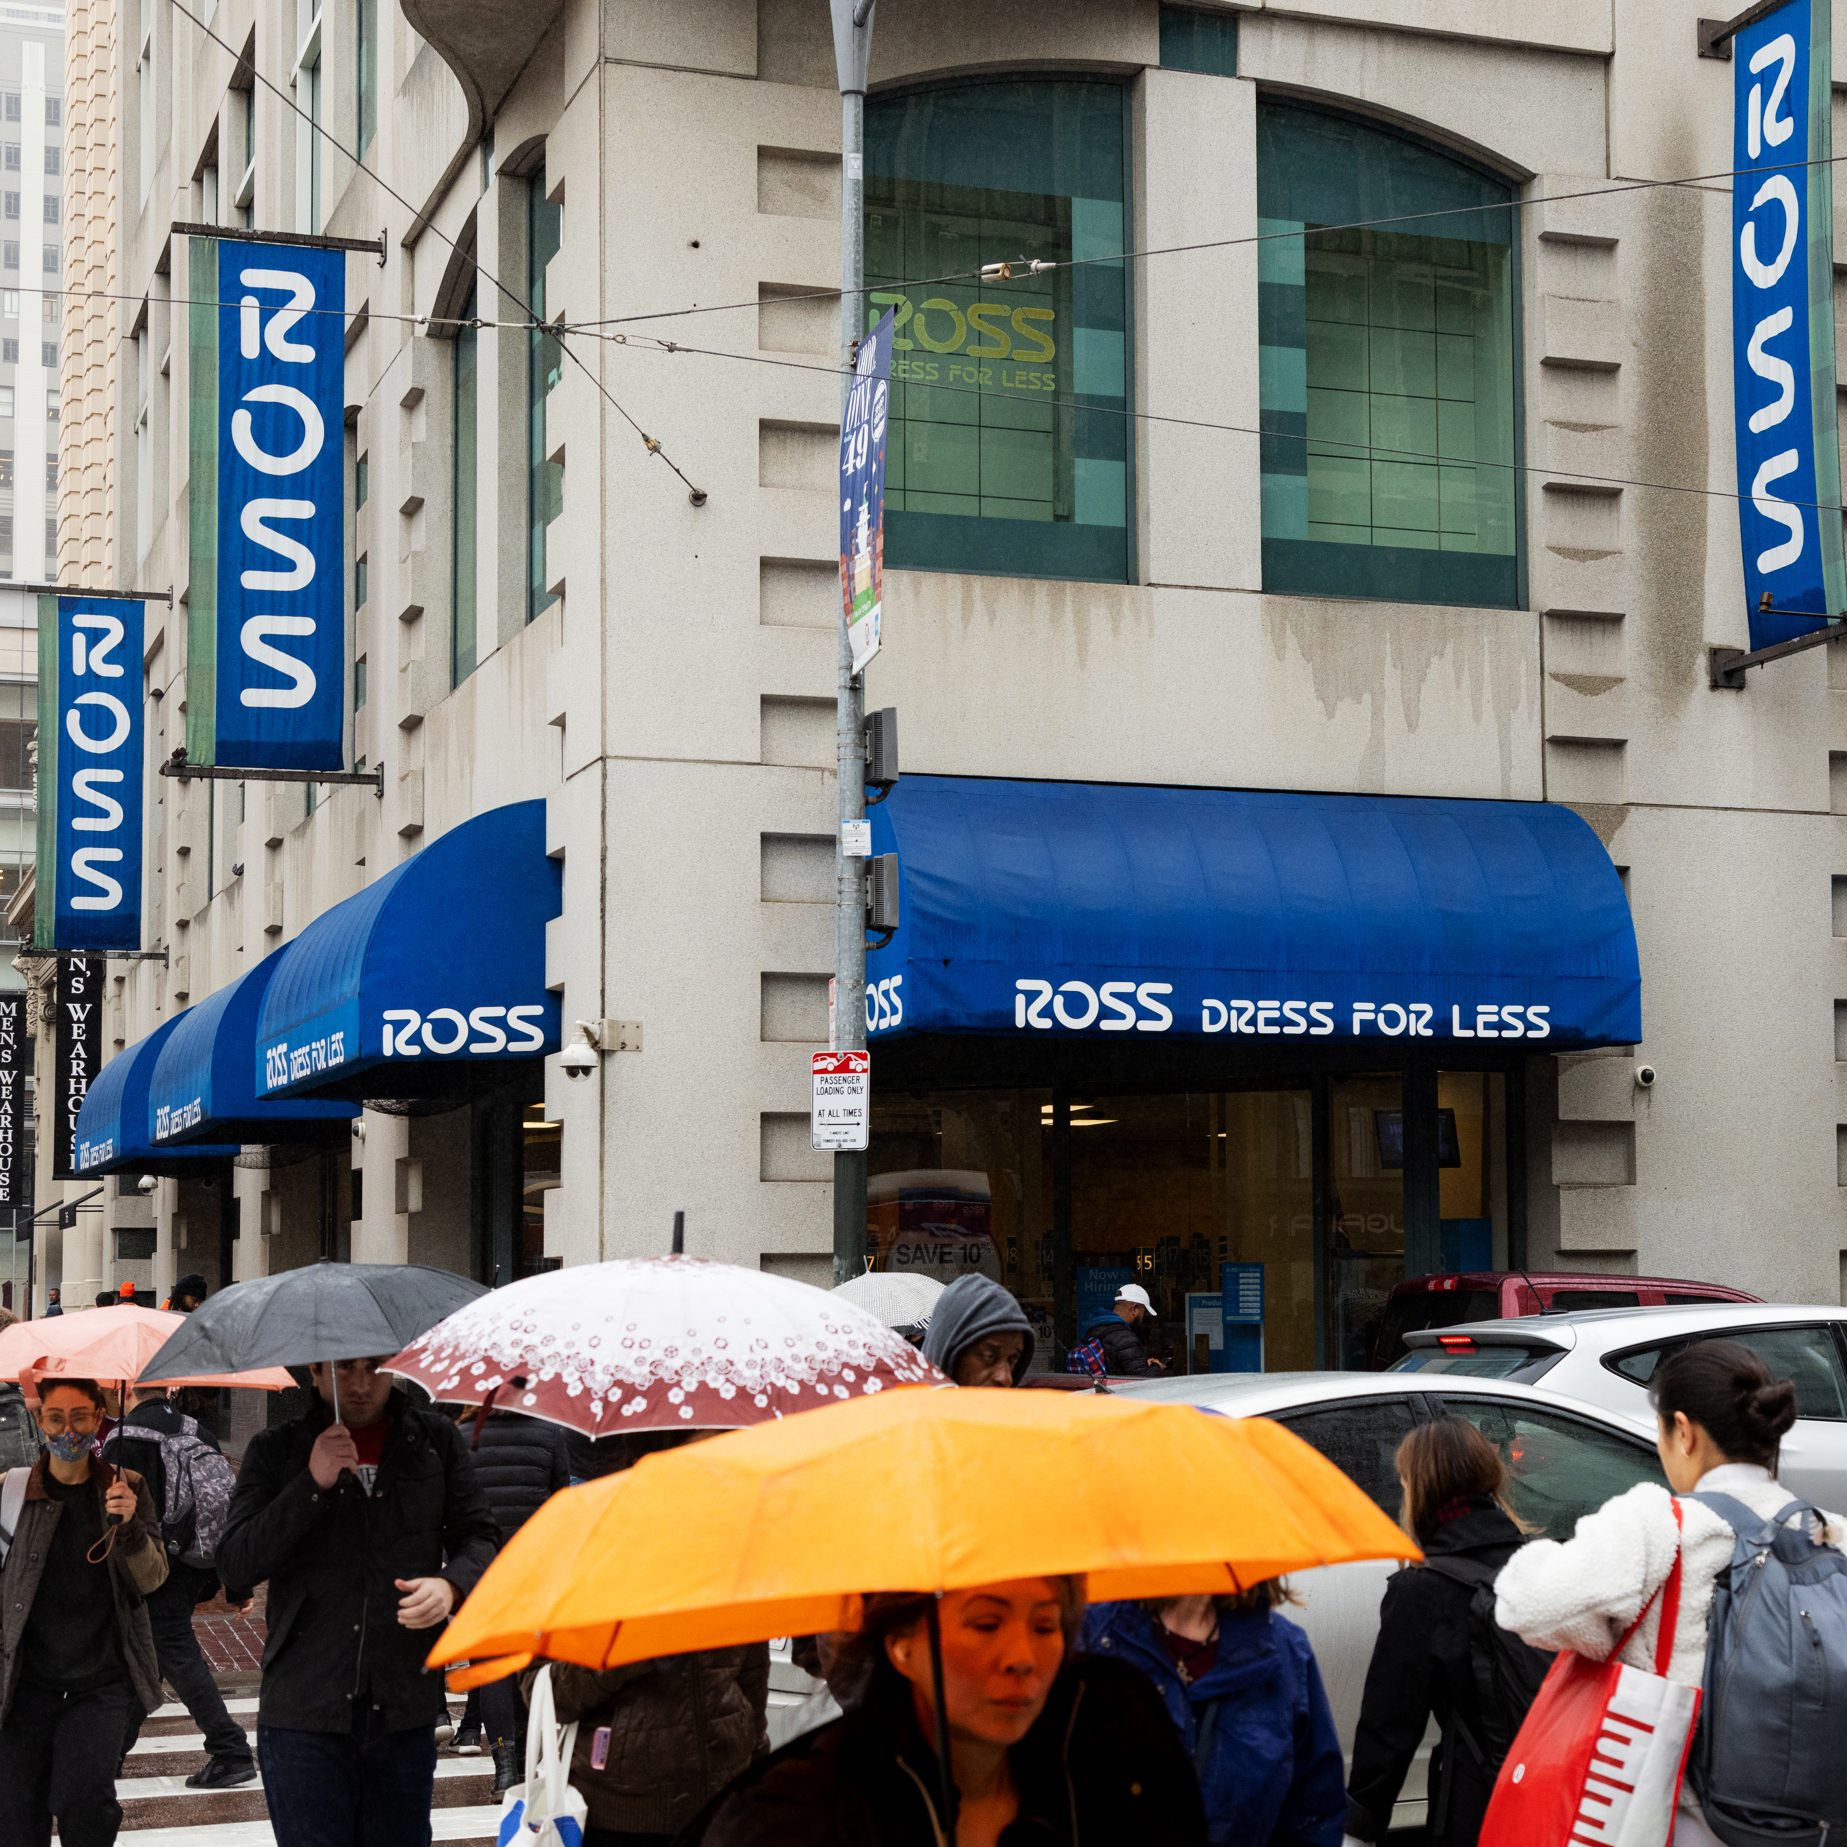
(70, 1445)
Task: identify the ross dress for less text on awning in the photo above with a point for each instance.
(1091, 909)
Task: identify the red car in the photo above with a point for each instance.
(1448, 1301)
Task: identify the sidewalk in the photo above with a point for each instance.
(232, 1644)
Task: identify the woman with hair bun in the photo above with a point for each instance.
(1722, 1420)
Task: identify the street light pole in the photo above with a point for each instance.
(852, 21)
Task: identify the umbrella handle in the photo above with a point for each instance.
(945, 1778)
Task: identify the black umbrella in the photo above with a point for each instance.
(322, 1312)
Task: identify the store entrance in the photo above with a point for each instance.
(1269, 1222)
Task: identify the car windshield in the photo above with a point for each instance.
(1502, 1360)
(1417, 1309)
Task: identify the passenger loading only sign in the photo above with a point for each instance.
(840, 1109)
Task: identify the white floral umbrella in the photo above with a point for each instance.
(656, 1343)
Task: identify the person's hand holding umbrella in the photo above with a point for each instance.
(334, 1454)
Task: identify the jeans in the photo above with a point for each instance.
(59, 1753)
(183, 1667)
(503, 1712)
(363, 1788)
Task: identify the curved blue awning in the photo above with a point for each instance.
(1082, 908)
(431, 976)
(115, 1124)
(203, 1083)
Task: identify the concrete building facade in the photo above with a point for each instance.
(1439, 506)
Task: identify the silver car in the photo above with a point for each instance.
(1563, 1461)
(1607, 1356)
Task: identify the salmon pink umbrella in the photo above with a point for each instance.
(112, 1344)
(653, 1343)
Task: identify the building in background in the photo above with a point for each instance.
(1344, 519)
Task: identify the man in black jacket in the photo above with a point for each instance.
(1119, 1331)
(369, 1531)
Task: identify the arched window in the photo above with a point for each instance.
(1008, 449)
(1388, 366)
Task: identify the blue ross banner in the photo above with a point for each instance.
(1789, 476)
(863, 428)
(267, 634)
(90, 773)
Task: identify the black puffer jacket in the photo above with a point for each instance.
(520, 1463)
(1102, 1767)
(331, 1557)
(680, 1729)
(1123, 1353)
(1421, 1665)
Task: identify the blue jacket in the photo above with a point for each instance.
(1270, 1768)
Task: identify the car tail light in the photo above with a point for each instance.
(1456, 1343)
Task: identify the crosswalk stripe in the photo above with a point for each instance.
(455, 1825)
(141, 1788)
(174, 1710)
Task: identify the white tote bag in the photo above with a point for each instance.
(544, 1811)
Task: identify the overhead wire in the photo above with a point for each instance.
(651, 443)
(602, 329)
(1288, 233)
(645, 342)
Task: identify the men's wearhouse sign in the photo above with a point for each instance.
(1789, 471)
(266, 658)
(90, 770)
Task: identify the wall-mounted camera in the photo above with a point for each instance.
(1645, 1077)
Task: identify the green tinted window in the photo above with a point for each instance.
(1387, 363)
(544, 365)
(1197, 41)
(462, 633)
(1009, 447)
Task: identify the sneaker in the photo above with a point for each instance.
(468, 1738)
(508, 1770)
(223, 1773)
(445, 1730)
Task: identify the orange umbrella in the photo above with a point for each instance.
(778, 1530)
(113, 1344)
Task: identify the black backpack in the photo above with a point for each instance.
(1506, 1672)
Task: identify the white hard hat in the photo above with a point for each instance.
(1134, 1292)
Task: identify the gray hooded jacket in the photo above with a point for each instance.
(970, 1309)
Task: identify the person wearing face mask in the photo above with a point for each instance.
(369, 1529)
(77, 1663)
(1044, 1747)
(978, 1334)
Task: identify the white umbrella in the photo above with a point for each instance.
(899, 1298)
(652, 1343)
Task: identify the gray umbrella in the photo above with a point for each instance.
(323, 1311)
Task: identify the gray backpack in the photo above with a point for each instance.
(1768, 1766)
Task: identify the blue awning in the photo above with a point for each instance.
(203, 1086)
(431, 978)
(115, 1124)
(1075, 908)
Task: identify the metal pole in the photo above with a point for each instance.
(852, 21)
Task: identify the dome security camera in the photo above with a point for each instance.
(146, 1184)
(1645, 1076)
(577, 1060)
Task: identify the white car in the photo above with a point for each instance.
(1607, 1356)
(1563, 1460)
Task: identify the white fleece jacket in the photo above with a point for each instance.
(1583, 1593)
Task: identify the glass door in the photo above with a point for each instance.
(1206, 1200)
(1364, 1237)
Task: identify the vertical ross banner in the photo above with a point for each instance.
(77, 1049)
(90, 773)
(15, 1177)
(1789, 466)
(862, 492)
(266, 634)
